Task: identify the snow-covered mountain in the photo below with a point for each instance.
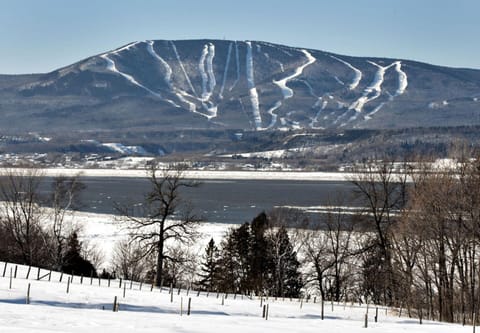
(248, 85)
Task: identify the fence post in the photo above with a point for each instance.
(109, 282)
(81, 279)
(38, 273)
(11, 277)
(151, 288)
(28, 294)
(171, 297)
(181, 306)
(376, 314)
(50, 276)
(115, 309)
(61, 277)
(28, 272)
(189, 306)
(266, 314)
(366, 320)
(91, 277)
(120, 283)
(141, 283)
(131, 284)
(15, 273)
(4, 270)
(68, 284)
(223, 300)
(124, 289)
(264, 311)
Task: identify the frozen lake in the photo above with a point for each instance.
(220, 201)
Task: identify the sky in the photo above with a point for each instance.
(38, 36)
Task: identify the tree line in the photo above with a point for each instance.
(414, 244)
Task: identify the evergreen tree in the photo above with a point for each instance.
(259, 256)
(209, 269)
(73, 262)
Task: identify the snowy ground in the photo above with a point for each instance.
(88, 306)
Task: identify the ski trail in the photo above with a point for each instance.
(168, 69)
(282, 84)
(111, 66)
(274, 116)
(358, 74)
(237, 58)
(374, 88)
(402, 79)
(225, 72)
(203, 73)
(252, 89)
(317, 115)
(126, 47)
(168, 77)
(183, 68)
(211, 75)
(286, 91)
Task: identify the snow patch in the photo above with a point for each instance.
(225, 72)
(357, 73)
(252, 89)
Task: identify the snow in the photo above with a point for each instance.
(286, 91)
(202, 174)
(357, 76)
(252, 89)
(174, 48)
(374, 88)
(112, 67)
(402, 79)
(282, 84)
(237, 60)
(168, 69)
(129, 150)
(227, 64)
(88, 307)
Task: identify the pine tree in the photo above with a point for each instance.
(259, 256)
(73, 262)
(209, 269)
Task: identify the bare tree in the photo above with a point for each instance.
(22, 214)
(165, 216)
(64, 198)
(382, 189)
(129, 260)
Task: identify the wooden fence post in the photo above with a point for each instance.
(28, 294)
(68, 284)
(38, 273)
(61, 277)
(264, 311)
(28, 272)
(189, 306)
(124, 289)
(366, 320)
(266, 314)
(4, 270)
(376, 314)
(11, 277)
(15, 273)
(115, 308)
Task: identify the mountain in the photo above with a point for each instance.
(158, 86)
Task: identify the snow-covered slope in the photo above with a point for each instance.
(242, 85)
(88, 307)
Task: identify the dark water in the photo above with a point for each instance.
(221, 201)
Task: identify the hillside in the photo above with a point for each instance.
(88, 306)
(159, 97)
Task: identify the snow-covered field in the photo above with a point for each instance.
(88, 307)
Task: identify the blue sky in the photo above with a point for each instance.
(43, 35)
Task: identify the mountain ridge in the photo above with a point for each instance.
(206, 84)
